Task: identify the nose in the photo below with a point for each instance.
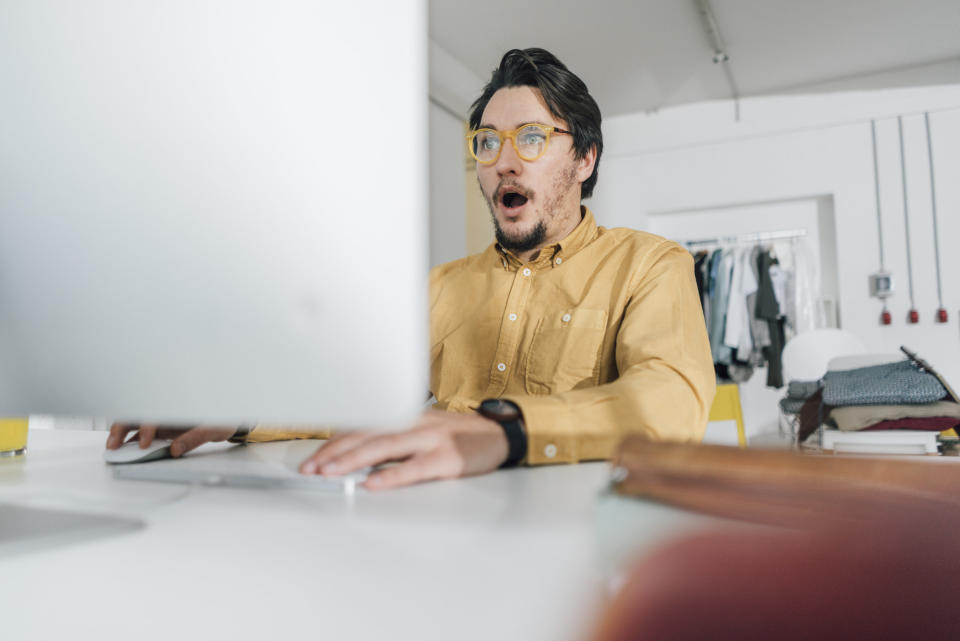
(509, 163)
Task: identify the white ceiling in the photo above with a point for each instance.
(640, 55)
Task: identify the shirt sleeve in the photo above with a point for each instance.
(266, 433)
(666, 379)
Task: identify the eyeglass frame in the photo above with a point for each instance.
(512, 136)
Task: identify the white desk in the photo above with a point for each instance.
(519, 554)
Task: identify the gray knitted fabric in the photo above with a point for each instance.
(792, 405)
(803, 389)
(900, 383)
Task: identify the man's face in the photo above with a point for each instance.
(536, 203)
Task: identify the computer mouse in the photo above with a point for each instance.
(131, 452)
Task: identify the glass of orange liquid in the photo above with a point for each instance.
(13, 436)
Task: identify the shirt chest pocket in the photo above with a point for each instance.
(565, 351)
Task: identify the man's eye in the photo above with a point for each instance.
(490, 143)
(532, 138)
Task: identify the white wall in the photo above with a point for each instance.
(697, 158)
(448, 215)
(453, 87)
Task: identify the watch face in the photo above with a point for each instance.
(491, 405)
(500, 409)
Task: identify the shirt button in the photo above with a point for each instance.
(559, 260)
(566, 318)
(512, 317)
(501, 366)
(550, 450)
(526, 271)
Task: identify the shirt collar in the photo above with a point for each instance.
(581, 236)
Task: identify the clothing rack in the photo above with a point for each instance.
(756, 237)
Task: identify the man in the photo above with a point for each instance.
(561, 337)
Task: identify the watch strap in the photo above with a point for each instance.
(511, 422)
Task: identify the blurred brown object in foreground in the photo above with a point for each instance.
(868, 551)
(792, 586)
(780, 487)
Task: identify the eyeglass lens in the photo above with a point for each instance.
(530, 143)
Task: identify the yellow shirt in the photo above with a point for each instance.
(600, 337)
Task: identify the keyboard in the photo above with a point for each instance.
(259, 465)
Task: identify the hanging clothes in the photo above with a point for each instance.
(754, 297)
(743, 283)
(700, 272)
(802, 307)
(780, 279)
(699, 261)
(718, 306)
(769, 310)
(713, 268)
(759, 328)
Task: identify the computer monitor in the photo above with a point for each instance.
(214, 211)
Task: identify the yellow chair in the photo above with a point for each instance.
(726, 407)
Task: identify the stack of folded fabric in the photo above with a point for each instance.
(938, 416)
(797, 394)
(883, 404)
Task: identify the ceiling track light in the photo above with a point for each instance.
(720, 56)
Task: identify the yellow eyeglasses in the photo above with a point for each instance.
(530, 142)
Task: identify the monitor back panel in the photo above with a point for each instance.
(213, 211)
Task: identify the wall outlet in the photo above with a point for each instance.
(881, 284)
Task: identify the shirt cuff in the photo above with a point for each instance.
(551, 437)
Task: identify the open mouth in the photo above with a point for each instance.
(513, 200)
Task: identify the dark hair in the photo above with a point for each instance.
(565, 94)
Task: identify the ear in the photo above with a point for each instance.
(585, 165)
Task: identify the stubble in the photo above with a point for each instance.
(562, 184)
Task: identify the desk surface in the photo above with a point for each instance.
(519, 554)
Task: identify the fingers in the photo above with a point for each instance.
(373, 452)
(415, 470)
(366, 452)
(440, 446)
(118, 431)
(146, 434)
(197, 436)
(337, 445)
(184, 439)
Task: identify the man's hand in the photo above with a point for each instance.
(184, 438)
(442, 445)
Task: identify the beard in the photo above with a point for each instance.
(534, 237)
(521, 243)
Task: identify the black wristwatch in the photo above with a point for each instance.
(508, 415)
